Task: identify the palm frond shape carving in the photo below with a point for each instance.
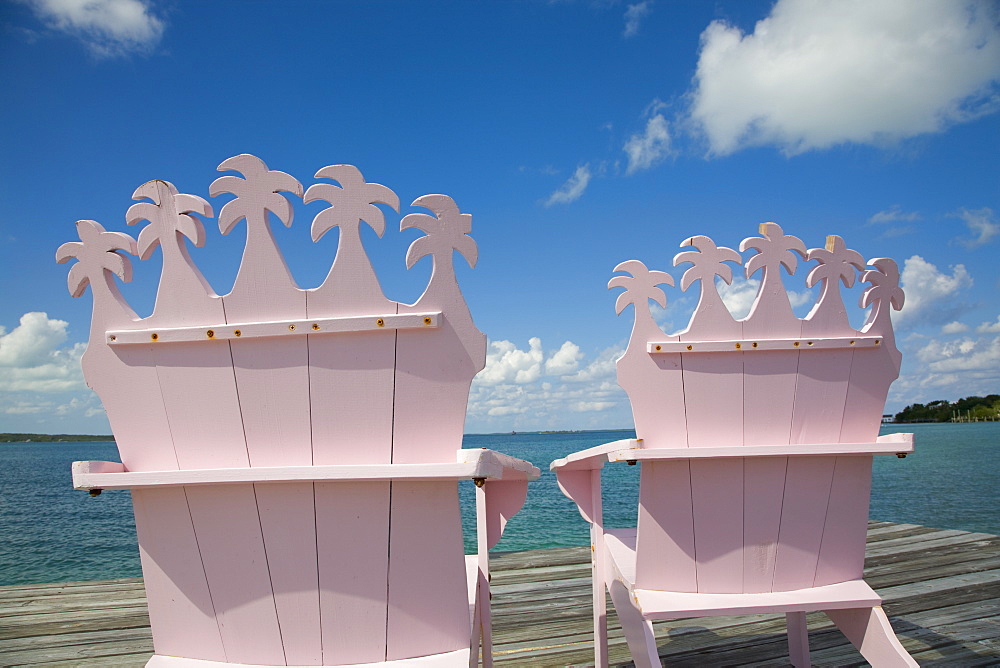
(351, 203)
(257, 193)
(883, 289)
(447, 231)
(168, 213)
(97, 256)
(170, 222)
(640, 287)
(775, 250)
(837, 264)
(707, 262)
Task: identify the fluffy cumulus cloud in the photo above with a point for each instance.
(40, 377)
(650, 147)
(107, 27)
(933, 296)
(32, 360)
(573, 188)
(533, 388)
(815, 74)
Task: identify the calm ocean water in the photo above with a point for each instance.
(51, 533)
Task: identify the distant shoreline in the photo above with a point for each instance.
(53, 438)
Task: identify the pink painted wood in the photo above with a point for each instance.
(281, 520)
(784, 525)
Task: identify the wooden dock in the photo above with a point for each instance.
(941, 590)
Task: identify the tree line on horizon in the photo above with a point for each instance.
(52, 438)
(969, 408)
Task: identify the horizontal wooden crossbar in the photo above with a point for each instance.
(760, 345)
(631, 450)
(256, 330)
(470, 464)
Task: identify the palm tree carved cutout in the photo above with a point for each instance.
(708, 261)
(98, 260)
(447, 231)
(775, 250)
(883, 292)
(257, 194)
(837, 264)
(351, 203)
(641, 287)
(170, 222)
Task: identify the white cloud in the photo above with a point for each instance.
(41, 381)
(32, 342)
(990, 327)
(564, 361)
(573, 188)
(954, 327)
(932, 296)
(634, 16)
(525, 389)
(815, 74)
(647, 149)
(979, 357)
(506, 363)
(937, 369)
(894, 214)
(738, 296)
(982, 224)
(106, 27)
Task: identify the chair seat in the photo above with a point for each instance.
(660, 605)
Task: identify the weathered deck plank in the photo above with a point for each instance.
(941, 591)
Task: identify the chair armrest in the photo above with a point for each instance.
(890, 444)
(593, 458)
(579, 475)
(498, 466)
(469, 465)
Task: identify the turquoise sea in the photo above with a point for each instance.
(50, 533)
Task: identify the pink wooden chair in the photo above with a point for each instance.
(294, 455)
(756, 439)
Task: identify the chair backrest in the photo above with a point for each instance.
(273, 375)
(757, 523)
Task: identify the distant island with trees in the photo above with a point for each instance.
(969, 409)
(52, 438)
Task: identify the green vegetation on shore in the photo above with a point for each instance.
(52, 438)
(969, 409)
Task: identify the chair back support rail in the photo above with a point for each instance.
(755, 435)
(294, 454)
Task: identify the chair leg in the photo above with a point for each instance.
(638, 631)
(868, 629)
(600, 604)
(798, 639)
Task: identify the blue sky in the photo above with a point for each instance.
(577, 134)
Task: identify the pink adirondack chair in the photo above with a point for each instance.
(756, 439)
(294, 455)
